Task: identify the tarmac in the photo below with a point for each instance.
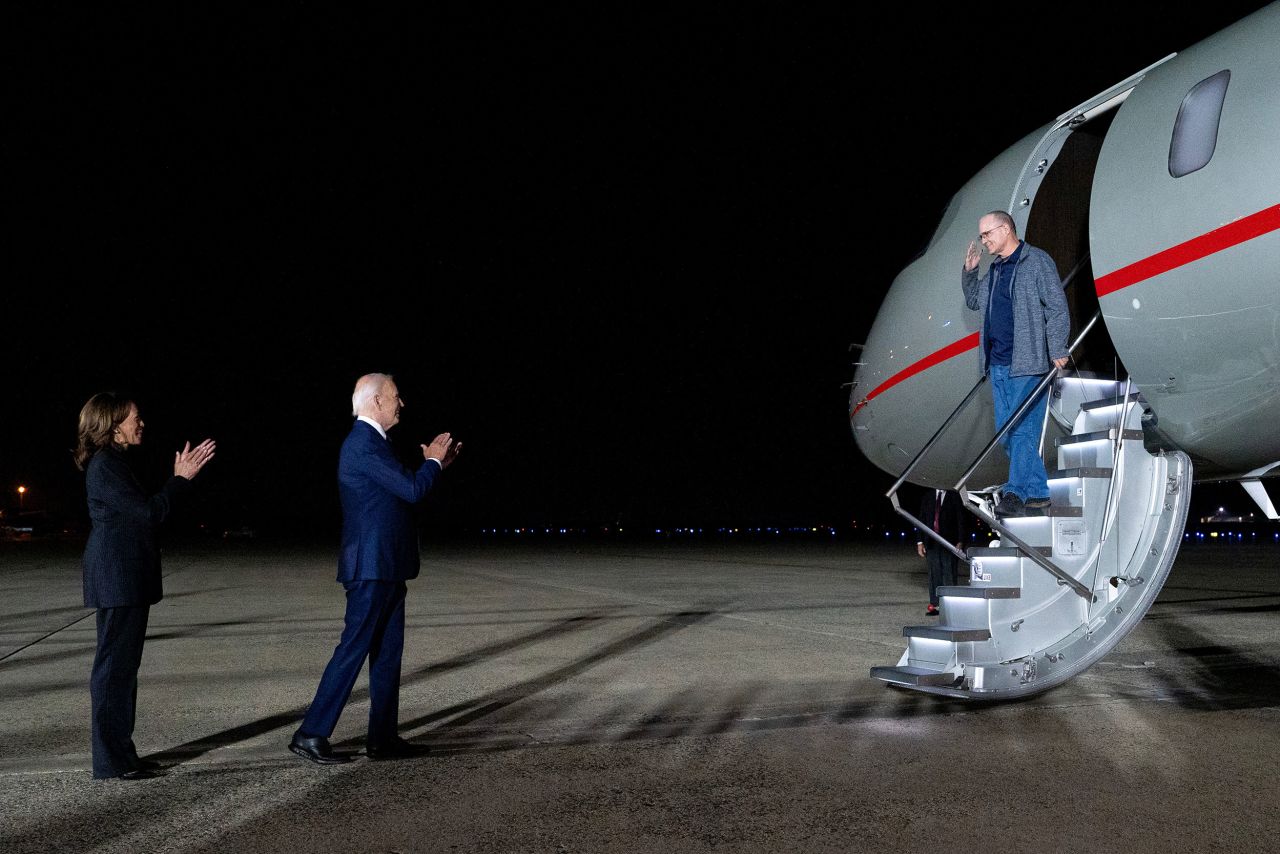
(585, 696)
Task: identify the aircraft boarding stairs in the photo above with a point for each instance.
(1063, 584)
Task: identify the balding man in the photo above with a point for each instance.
(379, 554)
(1024, 332)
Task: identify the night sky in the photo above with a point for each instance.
(620, 254)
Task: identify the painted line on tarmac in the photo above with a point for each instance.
(46, 637)
(82, 617)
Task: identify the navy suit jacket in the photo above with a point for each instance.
(121, 559)
(379, 538)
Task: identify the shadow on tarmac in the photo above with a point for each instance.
(244, 732)
(1218, 677)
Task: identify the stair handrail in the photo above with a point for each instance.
(1117, 476)
(1031, 401)
(992, 522)
(892, 494)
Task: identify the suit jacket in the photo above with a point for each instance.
(121, 560)
(953, 521)
(379, 538)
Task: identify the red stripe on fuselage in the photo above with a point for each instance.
(1229, 235)
(1232, 234)
(969, 342)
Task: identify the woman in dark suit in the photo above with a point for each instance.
(122, 569)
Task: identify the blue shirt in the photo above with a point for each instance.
(1000, 316)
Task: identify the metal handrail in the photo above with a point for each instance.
(892, 494)
(992, 522)
(1117, 475)
(1006, 534)
(1022, 410)
(952, 417)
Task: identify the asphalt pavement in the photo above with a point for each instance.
(583, 696)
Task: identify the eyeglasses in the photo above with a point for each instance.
(983, 235)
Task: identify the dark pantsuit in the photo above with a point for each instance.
(113, 688)
(943, 570)
(374, 628)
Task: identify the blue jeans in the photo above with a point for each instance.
(1027, 477)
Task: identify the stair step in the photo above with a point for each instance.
(1115, 400)
(913, 676)
(1064, 474)
(1099, 435)
(974, 591)
(947, 633)
(1058, 510)
(1006, 551)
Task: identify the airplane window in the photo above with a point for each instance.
(1195, 133)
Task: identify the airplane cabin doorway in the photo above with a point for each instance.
(1058, 223)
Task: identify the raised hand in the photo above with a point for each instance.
(188, 462)
(441, 448)
(451, 454)
(973, 256)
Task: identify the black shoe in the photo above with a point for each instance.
(932, 611)
(140, 764)
(139, 774)
(397, 748)
(317, 750)
(1010, 505)
(1037, 503)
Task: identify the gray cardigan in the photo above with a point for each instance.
(1041, 320)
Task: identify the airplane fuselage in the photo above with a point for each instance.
(1165, 192)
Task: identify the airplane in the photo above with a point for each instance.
(1159, 200)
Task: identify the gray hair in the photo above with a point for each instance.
(366, 388)
(1003, 218)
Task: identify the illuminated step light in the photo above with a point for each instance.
(924, 644)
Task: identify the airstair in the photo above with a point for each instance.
(1063, 584)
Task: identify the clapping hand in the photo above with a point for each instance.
(188, 462)
(442, 448)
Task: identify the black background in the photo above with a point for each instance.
(620, 253)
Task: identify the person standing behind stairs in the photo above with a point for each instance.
(941, 510)
(1025, 324)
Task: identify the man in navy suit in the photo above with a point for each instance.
(379, 554)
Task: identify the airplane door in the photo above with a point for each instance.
(1033, 173)
(1183, 222)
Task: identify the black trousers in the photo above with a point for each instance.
(114, 688)
(943, 570)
